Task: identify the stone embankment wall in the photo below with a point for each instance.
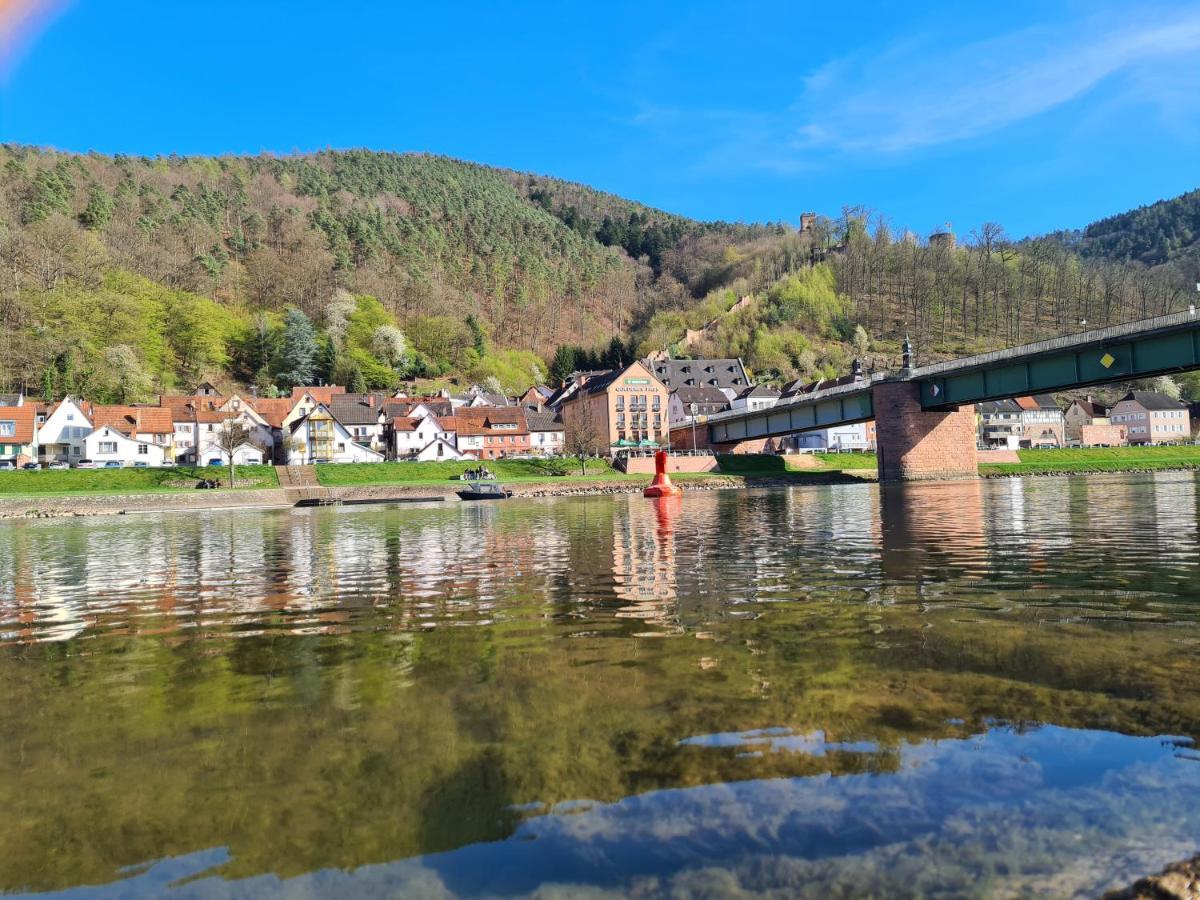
(644, 465)
(114, 504)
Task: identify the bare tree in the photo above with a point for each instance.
(232, 435)
(582, 436)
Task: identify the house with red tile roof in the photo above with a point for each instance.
(18, 434)
(492, 432)
(130, 435)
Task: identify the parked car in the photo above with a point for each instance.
(167, 464)
(59, 464)
(216, 462)
(112, 464)
(31, 467)
(8, 465)
(84, 464)
(141, 464)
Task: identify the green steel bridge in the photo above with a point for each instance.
(1141, 349)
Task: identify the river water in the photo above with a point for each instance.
(975, 689)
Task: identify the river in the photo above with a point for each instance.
(987, 688)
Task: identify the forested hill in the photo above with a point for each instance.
(1159, 233)
(460, 256)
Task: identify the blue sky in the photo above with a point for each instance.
(1034, 115)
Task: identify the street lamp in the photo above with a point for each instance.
(692, 410)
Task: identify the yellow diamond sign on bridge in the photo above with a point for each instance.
(1107, 360)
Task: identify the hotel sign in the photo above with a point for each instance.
(633, 385)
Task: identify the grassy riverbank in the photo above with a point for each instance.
(48, 482)
(439, 473)
(1097, 459)
(754, 466)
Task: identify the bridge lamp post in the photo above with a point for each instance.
(692, 410)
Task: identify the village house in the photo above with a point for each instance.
(686, 402)
(423, 436)
(1042, 423)
(273, 411)
(61, 435)
(194, 419)
(1088, 425)
(754, 398)
(488, 433)
(18, 434)
(1000, 424)
(130, 435)
(1152, 418)
(858, 436)
(623, 408)
(318, 436)
(726, 375)
(536, 396)
(547, 436)
(363, 417)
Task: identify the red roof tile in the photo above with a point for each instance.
(24, 417)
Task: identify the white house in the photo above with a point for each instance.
(860, 436)
(62, 435)
(755, 398)
(438, 450)
(547, 434)
(244, 455)
(107, 444)
(412, 434)
(319, 437)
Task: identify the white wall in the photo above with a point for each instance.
(547, 442)
(67, 425)
(844, 437)
(245, 455)
(345, 450)
(105, 444)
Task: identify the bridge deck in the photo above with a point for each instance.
(1142, 349)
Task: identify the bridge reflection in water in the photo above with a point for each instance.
(825, 689)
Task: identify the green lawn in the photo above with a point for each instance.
(1097, 459)
(765, 466)
(123, 481)
(431, 473)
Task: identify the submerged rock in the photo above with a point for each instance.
(1180, 881)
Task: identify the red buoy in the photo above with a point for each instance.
(661, 485)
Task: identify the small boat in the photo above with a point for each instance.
(484, 490)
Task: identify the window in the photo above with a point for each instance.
(108, 446)
(143, 450)
(74, 451)
(341, 447)
(8, 428)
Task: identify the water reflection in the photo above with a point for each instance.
(948, 688)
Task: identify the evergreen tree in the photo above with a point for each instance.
(564, 363)
(48, 384)
(298, 351)
(329, 363)
(355, 382)
(98, 211)
(478, 336)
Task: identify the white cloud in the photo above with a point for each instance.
(913, 95)
(923, 91)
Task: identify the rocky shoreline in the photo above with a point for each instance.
(87, 505)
